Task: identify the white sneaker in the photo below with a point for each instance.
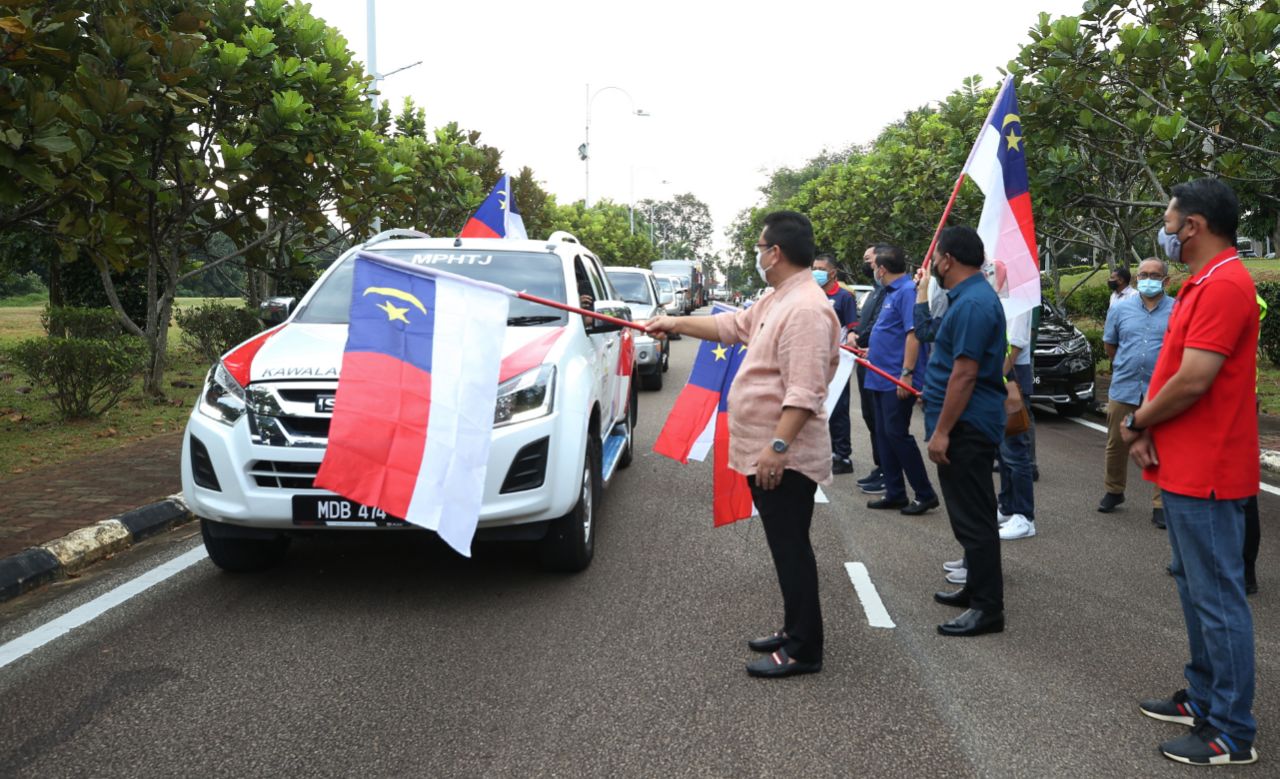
(958, 576)
(953, 565)
(1018, 526)
(1002, 517)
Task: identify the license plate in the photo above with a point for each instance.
(1036, 380)
(335, 510)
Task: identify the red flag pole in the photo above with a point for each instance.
(866, 364)
(582, 311)
(945, 213)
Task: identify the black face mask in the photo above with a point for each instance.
(1113, 284)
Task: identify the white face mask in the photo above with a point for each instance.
(763, 271)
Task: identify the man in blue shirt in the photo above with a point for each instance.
(873, 482)
(846, 307)
(1132, 338)
(964, 418)
(894, 350)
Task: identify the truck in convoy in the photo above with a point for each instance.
(689, 271)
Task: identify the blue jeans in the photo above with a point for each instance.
(1017, 485)
(899, 453)
(1206, 537)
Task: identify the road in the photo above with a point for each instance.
(379, 656)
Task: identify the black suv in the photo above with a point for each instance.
(1063, 365)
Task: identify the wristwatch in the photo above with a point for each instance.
(907, 372)
(1129, 423)
(780, 446)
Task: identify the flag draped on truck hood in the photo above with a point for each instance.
(413, 413)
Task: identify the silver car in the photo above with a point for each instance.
(638, 288)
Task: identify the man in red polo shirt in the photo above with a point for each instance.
(1196, 437)
(846, 307)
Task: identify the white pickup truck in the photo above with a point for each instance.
(562, 425)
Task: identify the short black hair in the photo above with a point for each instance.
(792, 232)
(829, 257)
(1122, 271)
(962, 243)
(891, 258)
(1212, 199)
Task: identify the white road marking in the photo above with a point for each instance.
(50, 631)
(1095, 426)
(877, 615)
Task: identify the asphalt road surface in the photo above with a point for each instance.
(390, 656)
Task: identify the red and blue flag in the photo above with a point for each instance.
(413, 413)
(497, 216)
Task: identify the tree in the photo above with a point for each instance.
(606, 231)
(183, 122)
(537, 207)
(680, 226)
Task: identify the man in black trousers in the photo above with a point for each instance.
(872, 483)
(964, 417)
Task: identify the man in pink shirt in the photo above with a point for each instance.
(778, 435)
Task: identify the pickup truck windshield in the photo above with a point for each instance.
(633, 287)
(537, 274)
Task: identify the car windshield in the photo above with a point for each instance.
(664, 285)
(537, 274)
(633, 287)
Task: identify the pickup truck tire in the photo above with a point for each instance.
(570, 540)
(241, 555)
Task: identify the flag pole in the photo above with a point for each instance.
(867, 364)
(945, 213)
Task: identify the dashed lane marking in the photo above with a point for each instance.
(26, 644)
(877, 615)
(1095, 426)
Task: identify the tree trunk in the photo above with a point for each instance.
(56, 296)
(1275, 237)
(158, 332)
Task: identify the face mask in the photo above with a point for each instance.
(871, 271)
(820, 276)
(1171, 243)
(763, 271)
(1113, 284)
(1150, 288)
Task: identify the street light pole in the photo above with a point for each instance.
(584, 151)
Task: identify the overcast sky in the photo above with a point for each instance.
(735, 89)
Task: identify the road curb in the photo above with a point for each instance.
(1271, 461)
(66, 556)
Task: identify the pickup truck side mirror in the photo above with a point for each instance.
(614, 308)
(273, 311)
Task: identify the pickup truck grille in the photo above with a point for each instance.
(284, 475)
(291, 414)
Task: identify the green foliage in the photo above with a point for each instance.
(17, 284)
(1089, 301)
(1269, 336)
(680, 227)
(537, 208)
(213, 328)
(73, 322)
(87, 376)
(1094, 336)
(606, 231)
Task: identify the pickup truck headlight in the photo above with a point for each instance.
(223, 397)
(527, 396)
(1077, 343)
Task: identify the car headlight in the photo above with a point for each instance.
(527, 396)
(1076, 344)
(223, 397)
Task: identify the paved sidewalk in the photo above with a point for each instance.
(48, 503)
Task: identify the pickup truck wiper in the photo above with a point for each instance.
(538, 319)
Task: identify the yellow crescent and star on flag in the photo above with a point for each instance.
(1013, 138)
(396, 313)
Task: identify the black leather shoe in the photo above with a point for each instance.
(1110, 501)
(767, 643)
(1157, 518)
(885, 503)
(841, 465)
(974, 623)
(959, 598)
(777, 665)
(917, 507)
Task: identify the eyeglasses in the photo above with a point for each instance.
(1156, 276)
(763, 246)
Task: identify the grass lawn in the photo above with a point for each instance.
(31, 433)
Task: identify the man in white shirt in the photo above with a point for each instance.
(1121, 285)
